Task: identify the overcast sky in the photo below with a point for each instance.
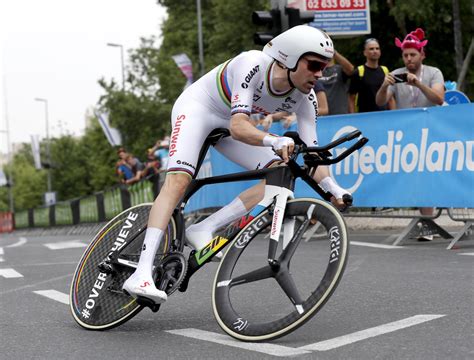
(56, 49)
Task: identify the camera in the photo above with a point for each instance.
(400, 78)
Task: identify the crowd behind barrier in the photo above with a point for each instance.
(407, 148)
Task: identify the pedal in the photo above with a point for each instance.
(106, 266)
(143, 301)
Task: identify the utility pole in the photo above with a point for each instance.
(200, 43)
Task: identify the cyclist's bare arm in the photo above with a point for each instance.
(241, 129)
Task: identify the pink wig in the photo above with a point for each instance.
(413, 40)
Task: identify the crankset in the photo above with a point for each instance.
(171, 272)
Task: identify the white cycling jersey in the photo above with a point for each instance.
(240, 85)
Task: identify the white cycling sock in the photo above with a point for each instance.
(227, 214)
(150, 246)
(329, 185)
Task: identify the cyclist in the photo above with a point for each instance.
(279, 78)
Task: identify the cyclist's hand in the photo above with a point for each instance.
(283, 146)
(342, 203)
(341, 198)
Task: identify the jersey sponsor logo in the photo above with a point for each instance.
(290, 100)
(286, 106)
(235, 98)
(240, 106)
(179, 162)
(259, 89)
(312, 98)
(256, 97)
(175, 134)
(251, 74)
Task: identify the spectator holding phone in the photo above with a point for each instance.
(415, 85)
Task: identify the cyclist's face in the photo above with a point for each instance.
(310, 69)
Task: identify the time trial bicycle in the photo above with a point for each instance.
(266, 253)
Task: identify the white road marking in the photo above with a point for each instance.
(65, 245)
(20, 242)
(270, 349)
(381, 246)
(36, 284)
(470, 254)
(10, 273)
(55, 295)
(1, 251)
(369, 333)
(2, 259)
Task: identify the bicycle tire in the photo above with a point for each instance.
(248, 321)
(96, 298)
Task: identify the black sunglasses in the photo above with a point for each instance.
(315, 65)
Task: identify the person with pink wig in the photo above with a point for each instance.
(415, 85)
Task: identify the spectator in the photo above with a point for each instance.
(122, 168)
(152, 164)
(415, 85)
(366, 81)
(335, 80)
(137, 169)
(162, 154)
(286, 120)
(161, 151)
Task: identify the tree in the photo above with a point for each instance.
(29, 183)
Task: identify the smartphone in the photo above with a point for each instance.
(400, 78)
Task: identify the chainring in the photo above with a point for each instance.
(171, 272)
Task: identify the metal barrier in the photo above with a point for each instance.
(141, 192)
(467, 216)
(112, 202)
(88, 212)
(41, 217)
(95, 208)
(63, 214)
(22, 219)
(420, 225)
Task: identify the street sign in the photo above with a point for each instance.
(50, 198)
(338, 17)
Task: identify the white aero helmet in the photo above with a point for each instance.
(288, 47)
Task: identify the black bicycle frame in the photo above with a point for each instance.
(282, 176)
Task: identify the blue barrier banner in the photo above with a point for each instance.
(415, 157)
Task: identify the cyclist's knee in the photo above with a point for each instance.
(176, 182)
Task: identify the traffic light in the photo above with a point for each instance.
(297, 17)
(271, 20)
